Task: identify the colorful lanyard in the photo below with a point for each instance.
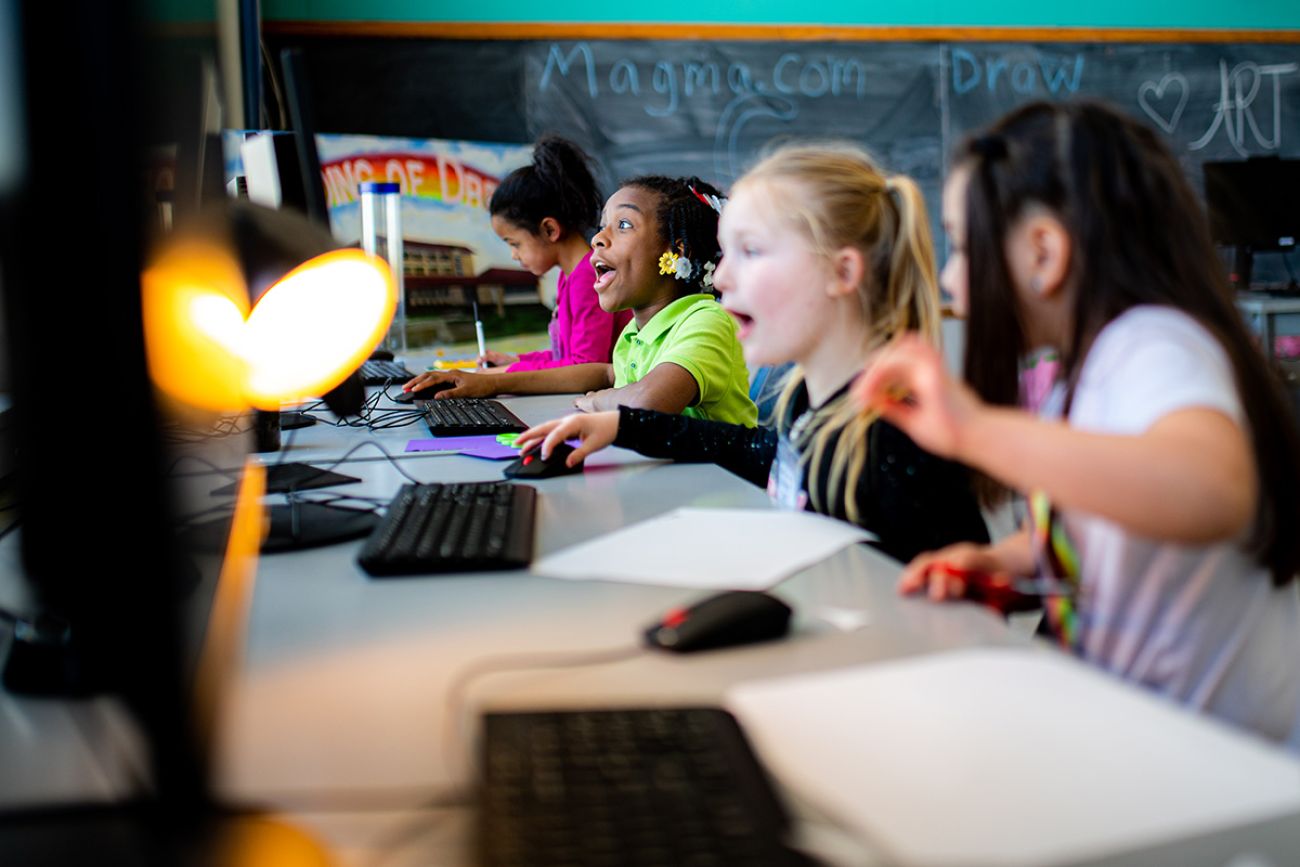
(1057, 558)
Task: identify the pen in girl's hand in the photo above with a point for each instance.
(896, 393)
(1024, 586)
(478, 333)
(1006, 593)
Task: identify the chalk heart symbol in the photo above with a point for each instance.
(1151, 96)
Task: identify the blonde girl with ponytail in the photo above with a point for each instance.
(825, 260)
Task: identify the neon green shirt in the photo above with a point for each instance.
(696, 334)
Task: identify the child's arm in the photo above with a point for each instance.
(667, 388)
(559, 380)
(1189, 478)
(746, 451)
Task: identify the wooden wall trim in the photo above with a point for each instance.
(740, 32)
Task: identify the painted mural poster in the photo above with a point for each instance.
(452, 257)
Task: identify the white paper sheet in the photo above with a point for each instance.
(1008, 757)
(740, 549)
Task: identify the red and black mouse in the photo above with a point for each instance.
(723, 620)
(531, 464)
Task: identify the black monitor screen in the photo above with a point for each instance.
(1253, 203)
(110, 597)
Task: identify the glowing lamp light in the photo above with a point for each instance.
(195, 306)
(209, 348)
(316, 326)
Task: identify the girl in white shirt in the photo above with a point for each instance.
(1164, 475)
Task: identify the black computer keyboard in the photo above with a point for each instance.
(380, 372)
(466, 416)
(453, 528)
(625, 788)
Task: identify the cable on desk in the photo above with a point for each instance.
(229, 473)
(455, 728)
(383, 451)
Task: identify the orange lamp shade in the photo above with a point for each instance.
(305, 335)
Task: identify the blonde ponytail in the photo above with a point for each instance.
(913, 276)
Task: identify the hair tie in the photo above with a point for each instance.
(894, 193)
(990, 147)
(713, 202)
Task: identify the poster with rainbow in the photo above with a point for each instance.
(451, 252)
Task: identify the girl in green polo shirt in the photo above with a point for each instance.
(655, 255)
(827, 259)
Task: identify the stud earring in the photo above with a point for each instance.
(1036, 284)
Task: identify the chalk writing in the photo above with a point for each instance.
(1048, 75)
(1154, 100)
(1235, 111)
(664, 84)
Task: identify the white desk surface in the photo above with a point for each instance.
(339, 713)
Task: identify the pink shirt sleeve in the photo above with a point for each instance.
(584, 331)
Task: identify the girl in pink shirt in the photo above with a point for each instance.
(543, 211)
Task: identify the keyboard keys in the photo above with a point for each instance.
(453, 528)
(380, 372)
(664, 786)
(467, 416)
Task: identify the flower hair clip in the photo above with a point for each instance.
(707, 279)
(711, 201)
(678, 266)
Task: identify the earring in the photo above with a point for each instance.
(1036, 284)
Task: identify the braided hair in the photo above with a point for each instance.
(688, 224)
(558, 184)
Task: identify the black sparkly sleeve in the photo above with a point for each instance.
(916, 502)
(746, 451)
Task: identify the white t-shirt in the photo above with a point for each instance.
(1200, 624)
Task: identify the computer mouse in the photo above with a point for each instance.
(723, 620)
(425, 393)
(531, 465)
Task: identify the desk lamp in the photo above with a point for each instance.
(253, 307)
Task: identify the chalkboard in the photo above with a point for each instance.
(710, 107)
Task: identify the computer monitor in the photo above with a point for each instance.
(1252, 207)
(111, 603)
(303, 117)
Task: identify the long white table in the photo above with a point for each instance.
(351, 707)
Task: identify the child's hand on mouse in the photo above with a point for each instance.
(906, 382)
(943, 574)
(595, 430)
(464, 384)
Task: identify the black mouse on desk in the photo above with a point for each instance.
(425, 393)
(531, 464)
(723, 620)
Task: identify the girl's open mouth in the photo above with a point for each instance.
(604, 274)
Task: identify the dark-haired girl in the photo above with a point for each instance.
(654, 255)
(1165, 478)
(543, 212)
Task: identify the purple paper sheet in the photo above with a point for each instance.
(482, 446)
